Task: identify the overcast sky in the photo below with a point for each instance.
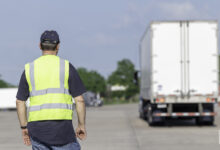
(94, 34)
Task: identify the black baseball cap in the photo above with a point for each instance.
(50, 36)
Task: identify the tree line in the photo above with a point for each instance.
(123, 76)
(4, 84)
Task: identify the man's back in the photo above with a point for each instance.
(50, 82)
(53, 132)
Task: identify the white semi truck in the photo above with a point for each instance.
(179, 71)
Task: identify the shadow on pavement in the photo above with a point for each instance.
(181, 123)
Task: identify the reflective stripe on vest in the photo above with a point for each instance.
(51, 106)
(49, 90)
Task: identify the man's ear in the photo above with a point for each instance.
(40, 46)
(58, 46)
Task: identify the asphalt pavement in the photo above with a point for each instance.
(117, 127)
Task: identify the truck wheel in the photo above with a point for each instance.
(143, 114)
(149, 115)
(200, 121)
(211, 122)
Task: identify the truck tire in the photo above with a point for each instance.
(141, 113)
(141, 109)
(150, 119)
(211, 122)
(200, 121)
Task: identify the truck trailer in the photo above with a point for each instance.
(8, 98)
(179, 71)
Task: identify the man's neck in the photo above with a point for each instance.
(48, 52)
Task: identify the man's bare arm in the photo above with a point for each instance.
(22, 116)
(81, 114)
(22, 112)
(81, 110)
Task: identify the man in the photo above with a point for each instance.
(50, 82)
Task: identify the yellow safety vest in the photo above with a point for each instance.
(50, 99)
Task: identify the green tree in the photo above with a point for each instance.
(93, 81)
(4, 84)
(123, 75)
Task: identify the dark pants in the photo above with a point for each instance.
(40, 146)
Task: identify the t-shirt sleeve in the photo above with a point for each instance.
(76, 87)
(23, 88)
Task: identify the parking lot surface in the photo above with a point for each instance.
(118, 127)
